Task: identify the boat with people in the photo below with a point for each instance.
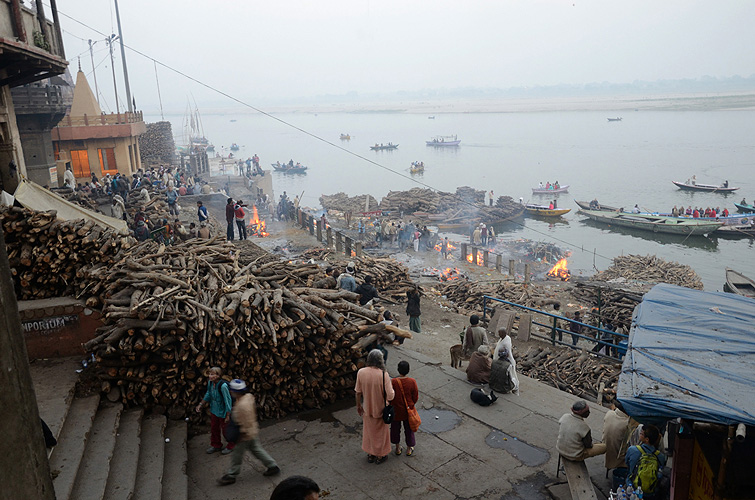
(234, 147)
(736, 231)
(594, 205)
(549, 188)
(545, 211)
(739, 284)
(744, 207)
(617, 119)
(345, 137)
(728, 220)
(289, 168)
(442, 141)
(655, 223)
(381, 147)
(691, 185)
(417, 167)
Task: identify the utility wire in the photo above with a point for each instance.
(314, 136)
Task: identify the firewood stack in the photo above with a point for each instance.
(172, 313)
(621, 287)
(156, 144)
(78, 197)
(45, 253)
(571, 371)
(467, 295)
(344, 203)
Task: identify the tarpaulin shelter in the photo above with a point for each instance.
(691, 355)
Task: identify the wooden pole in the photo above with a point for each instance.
(511, 267)
(499, 263)
(339, 241)
(24, 469)
(526, 273)
(329, 233)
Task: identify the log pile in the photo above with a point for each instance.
(467, 295)
(344, 203)
(171, 313)
(156, 144)
(571, 371)
(79, 198)
(45, 253)
(621, 287)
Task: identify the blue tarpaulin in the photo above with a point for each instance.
(691, 355)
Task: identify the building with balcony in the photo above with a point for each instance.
(93, 142)
(31, 49)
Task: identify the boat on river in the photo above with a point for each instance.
(654, 223)
(561, 189)
(417, 168)
(731, 220)
(345, 137)
(234, 147)
(381, 147)
(736, 231)
(744, 207)
(287, 168)
(738, 283)
(544, 211)
(617, 119)
(708, 188)
(603, 208)
(441, 141)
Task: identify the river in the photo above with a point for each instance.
(621, 163)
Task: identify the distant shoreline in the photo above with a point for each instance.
(610, 104)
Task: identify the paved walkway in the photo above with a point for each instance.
(506, 450)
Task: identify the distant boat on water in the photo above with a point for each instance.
(345, 137)
(441, 141)
(617, 119)
(654, 223)
(431, 118)
(694, 186)
(381, 147)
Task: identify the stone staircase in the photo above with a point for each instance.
(105, 451)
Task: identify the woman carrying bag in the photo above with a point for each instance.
(407, 395)
(373, 394)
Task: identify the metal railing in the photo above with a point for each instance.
(614, 350)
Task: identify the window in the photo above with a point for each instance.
(107, 161)
(80, 163)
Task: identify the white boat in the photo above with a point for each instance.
(443, 141)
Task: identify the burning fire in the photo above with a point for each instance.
(559, 271)
(439, 248)
(256, 226)
(449, 274)
(480, 260)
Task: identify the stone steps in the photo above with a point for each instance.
(149, 472)
(122, 478)
(175, 478)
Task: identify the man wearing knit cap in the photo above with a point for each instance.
(574, 435)
(244, 415)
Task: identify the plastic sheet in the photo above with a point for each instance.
(691, 355)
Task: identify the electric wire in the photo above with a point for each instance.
(316, 137)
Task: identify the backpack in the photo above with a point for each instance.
(645, 473)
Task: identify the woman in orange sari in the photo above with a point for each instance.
(372, 380)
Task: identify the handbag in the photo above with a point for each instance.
(411, 413)
(232, 431)
(388, 411)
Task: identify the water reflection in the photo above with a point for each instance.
(699, 242)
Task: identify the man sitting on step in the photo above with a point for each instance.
(574, 435)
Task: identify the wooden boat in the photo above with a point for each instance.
(382, 147)
(738, 283)
(286, 169)
(603, 208)
(617, 119)
(544, 211)
(561, 189)
(736, 231)
(443, 141)
(234, 147)
(345, 137)
(655, 223)
(710, 188)
(474, 222)
(744, 207)
(417, 170)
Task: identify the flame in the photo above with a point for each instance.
(449, 274)
(559, 271)
(480, 260)
(256, 225)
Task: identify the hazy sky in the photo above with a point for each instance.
(262, 50)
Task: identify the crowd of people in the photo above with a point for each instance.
(697, 212)
(483, 235)
(548, 186)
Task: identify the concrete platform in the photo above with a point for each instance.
(506, 450)
(175, 481)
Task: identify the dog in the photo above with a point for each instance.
(456, 356)
(482, 399)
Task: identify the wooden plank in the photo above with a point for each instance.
(579, 480)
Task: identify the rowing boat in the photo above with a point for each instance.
(561, 189)
(736, 231)
(731, 220)
(286, 169)
(655, 223)
(710, 188)
(544, 211)
(738, 283)
(603, 208)
(383, 147)
(472, 223)
(744, 207)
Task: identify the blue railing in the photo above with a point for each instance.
(616, 348)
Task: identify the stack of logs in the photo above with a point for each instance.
(467, 295)
(45, 253)
(157, 144)
(171, 313)
(617, 290)
(571, 371)
(342, 202)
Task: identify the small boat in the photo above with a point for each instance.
(233, 120)
(603, 208)
(417, 168)
(431, 118)
(738, 283)
(617, 119)
(210, 148)
(731, 220)
(287, 169)
(561, 189)
(655, 223)
(723, 188)
(744, 207)
(345, 137)
(736, 231)
(382, 147)
(544, 211)
(443, 141)
(234, 147)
